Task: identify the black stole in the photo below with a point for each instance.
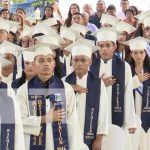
(92, 106)
(55, 92)
(145, 116)
(145, 113)
(118, 89)
(18, 82)
(7, 114)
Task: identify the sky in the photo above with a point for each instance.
(65, 4)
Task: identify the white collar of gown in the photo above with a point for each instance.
(83, 80)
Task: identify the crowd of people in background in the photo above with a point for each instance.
(65, 83)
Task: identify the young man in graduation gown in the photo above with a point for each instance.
(11, 129)
(117, 77)
(48, 107)
(92, 105)
(63, 58)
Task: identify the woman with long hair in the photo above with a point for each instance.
(140, 66)
(125, 30)
(48, 12)
(73, 9)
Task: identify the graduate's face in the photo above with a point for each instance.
(3, 35)
(11, 37)
(122, 37)
(147, 32)
(45, 64)
(25, 41)
(138, 55)
(111, 12)
(106, 50)
(48, 12)
(5, 15)
(21, 12)
(29, 68)
(11, 58)
(77, 19)
(81, 64)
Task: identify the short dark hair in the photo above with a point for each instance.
(101, 1)
(111, 7)
(129, 10)
(21, 9)
(3, 10)
(77, 13)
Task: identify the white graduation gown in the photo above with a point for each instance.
(102, 127)
(129, 109)
(8, 80)
(32, 124)
(19, 136)
(129, 120)
(69, 68)
(144, 139)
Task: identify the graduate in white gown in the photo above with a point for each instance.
(10, 51)
(11, 129)
(28, 71)
(140, 65)
(93, 128)
(4, 30)
(117, 77)
(46, 129)
(65, 57)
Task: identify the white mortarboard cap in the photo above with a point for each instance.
(51, 39)
(14, 26)
(109, 19)
(123, 26)
(42, 49)
(28, 56)
(146, 21)
(79, 28)
(137, 43)
(27, 31)
(106, 34)
(82, 47)
(4, 62)
(14, 29)
(50, 22)
(4, 25)
(42, 28)
(68, 33)
(8, 47)
(141, 16)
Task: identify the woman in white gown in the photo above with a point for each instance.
(140, 64)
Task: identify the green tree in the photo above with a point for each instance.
(42, 2)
